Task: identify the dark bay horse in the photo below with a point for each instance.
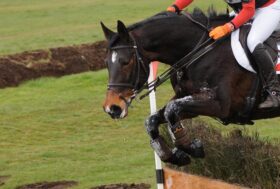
(214, 86)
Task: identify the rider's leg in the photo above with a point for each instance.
(266, 21)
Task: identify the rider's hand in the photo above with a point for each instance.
(173, 8)
(221, 31)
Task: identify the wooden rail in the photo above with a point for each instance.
(179, 180)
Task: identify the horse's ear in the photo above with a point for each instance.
(122, 30)
(107, 32)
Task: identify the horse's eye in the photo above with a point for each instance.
(124, 61)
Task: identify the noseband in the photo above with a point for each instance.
(139, 65)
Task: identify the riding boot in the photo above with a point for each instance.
(268, 76)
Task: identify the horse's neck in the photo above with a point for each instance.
(168, 42)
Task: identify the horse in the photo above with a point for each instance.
(214, 86)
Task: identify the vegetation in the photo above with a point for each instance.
(236, 157)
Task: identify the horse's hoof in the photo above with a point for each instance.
(194, 149)
(197, 149)
(179, 158)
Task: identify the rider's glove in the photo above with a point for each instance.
(173, 8)
(221, 31)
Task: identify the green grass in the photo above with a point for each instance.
(55, 129)
(39, 24)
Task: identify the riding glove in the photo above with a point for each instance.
(173, 8)
(221, 31)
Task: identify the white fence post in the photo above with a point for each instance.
(153, 108)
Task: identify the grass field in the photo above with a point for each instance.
(36, 24)
(55, 129)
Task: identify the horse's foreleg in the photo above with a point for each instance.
(204, 103)
(166, 154)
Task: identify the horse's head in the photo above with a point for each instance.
(127, 70)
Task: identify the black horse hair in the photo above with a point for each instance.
(197, 14)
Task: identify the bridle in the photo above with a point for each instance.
(140, 64)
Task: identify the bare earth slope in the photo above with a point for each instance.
(17, 68)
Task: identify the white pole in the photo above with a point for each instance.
(153, 108)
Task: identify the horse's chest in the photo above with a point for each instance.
(183, 87)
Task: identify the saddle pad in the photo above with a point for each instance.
(278, 61)
(240, 55)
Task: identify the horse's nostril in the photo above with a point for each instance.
(116, 111)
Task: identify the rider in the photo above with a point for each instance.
(266, 14)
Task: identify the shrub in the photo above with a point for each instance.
(236, 157)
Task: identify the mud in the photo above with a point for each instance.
(50, 185)
(3, 179)
(69, 184)
(124, 186)
(14, 69)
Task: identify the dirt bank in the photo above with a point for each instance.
(49, 185)
(124, 186)
(70, 184)
(17, 68)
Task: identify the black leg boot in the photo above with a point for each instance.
(268, 75)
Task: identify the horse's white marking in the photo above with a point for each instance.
(187, 98)
(123, 114)
(169, 182)
(114, 56)
(107, 109)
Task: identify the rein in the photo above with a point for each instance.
(185, 62)
(202, 48)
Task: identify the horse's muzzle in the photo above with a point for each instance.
(115, 112)
(116, 104)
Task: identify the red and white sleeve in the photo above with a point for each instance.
(247, 12)
(181, 4)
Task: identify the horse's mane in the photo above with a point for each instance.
(212, 15)
(197, 13)
(159, 16)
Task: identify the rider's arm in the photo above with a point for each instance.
(247, 12)
(179, 5)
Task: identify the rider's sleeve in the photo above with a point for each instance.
(247, 12)
(181, 4)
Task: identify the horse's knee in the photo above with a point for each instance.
(152, 124)
(171, 110)
(175, 107)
